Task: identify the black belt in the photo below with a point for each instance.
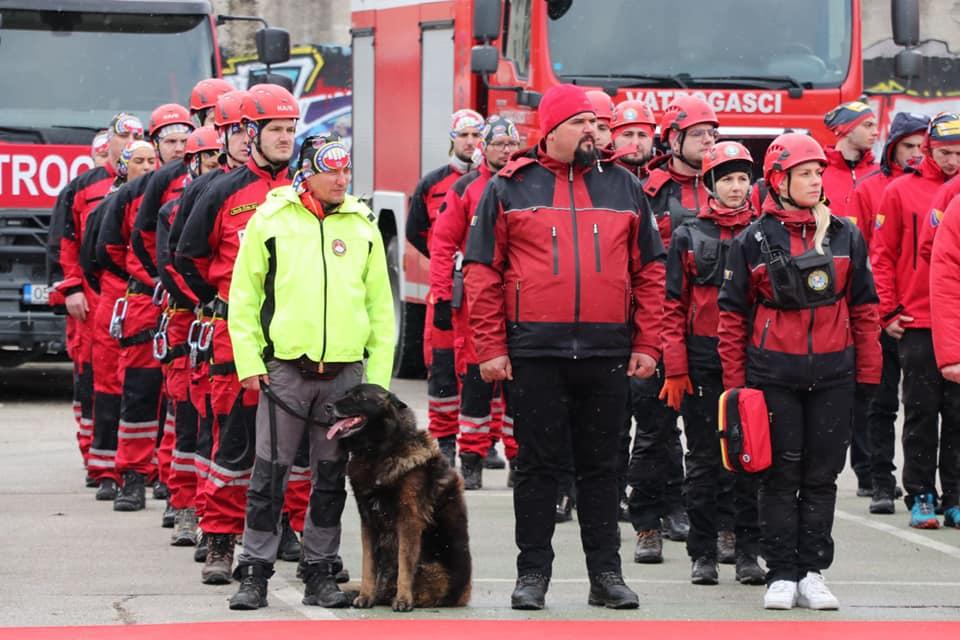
(318, 370)
(178, 351)
(138, 338)
(135, 286)
(222, 368)
(219, 308)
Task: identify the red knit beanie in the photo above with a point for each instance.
(560, 103)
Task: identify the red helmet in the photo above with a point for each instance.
(632, 112)
(231, 108)
(602, 104)
(205, 93)
(167, 114)
(787, 151)
(202, 139)
(271, 102)
(731, 156)
(685, 112)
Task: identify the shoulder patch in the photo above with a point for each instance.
(243, 208)
(880, 220)
(936, 217)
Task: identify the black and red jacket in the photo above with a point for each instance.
(166, 185)
(902, 275)
(564, 261)
(674, 197)
(829, 345)
(167, 250)
(116, 223)
(425, 203)
(88, 190)
(945, 282)
(695, 264)
(215, 225)
(841, 178)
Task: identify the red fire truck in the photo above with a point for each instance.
(765, 67)
(66, 67)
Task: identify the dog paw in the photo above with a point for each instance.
(363, 601)
(402, 604)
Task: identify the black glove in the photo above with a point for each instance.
(442, 316)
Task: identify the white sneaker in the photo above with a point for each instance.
(781, 594)
(814, 593)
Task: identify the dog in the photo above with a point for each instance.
(413, 516)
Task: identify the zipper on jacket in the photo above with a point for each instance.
(556, 250)
(914, 241)
(596, 245)
(576, 262)
(323, 261)
(693, 314)
(696, 195)
(763, 336)
(516, 311)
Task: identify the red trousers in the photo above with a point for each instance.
(82, 354)
(443, 404)
(201, 401)
(182, 479)
(107, 384)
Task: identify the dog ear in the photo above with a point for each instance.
(397, 402)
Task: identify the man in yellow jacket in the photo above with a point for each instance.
(309, 301)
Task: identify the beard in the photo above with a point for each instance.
(468, 158)
(585, 154)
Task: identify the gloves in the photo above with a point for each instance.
(442, 316)
(674, 387)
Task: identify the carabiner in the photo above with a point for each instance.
(160, 346)
(117, 318)
(192, 334)
(205, 339)
(158, 292)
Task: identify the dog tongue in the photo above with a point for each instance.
(341, 425)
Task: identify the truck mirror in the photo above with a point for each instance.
(529, 99)
(484, 59)
(907, 63)
(556, 9)
(273, 45)
(905, 18)
(265, 77)
(486, 20)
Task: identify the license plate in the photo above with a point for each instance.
(38, 294)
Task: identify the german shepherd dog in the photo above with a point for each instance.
(413, 517)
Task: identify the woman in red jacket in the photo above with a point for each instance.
(798, 320)
(695, 265)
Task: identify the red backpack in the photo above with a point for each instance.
(744, 425)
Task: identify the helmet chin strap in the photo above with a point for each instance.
(682, 157)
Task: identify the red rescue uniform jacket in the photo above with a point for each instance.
(425, 203)
(841, 179)
(674, 197)
(167, 184)
(113, 239)
(89, 189)
(941, 200)
(944, 285)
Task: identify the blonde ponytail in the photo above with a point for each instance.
(821, 213)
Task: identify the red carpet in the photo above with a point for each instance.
(498, 629)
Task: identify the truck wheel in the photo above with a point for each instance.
(409, 317)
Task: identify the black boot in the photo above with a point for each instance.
(676, 525)
(624, 515)
(882, 502)
(511, 476)
(169, 517)
(448, 448)
(704, 571)
(107, 489)
(90, 482)
(493, 460)
(321, 587)
(529, 592)
(608, 590)
(471, 468)
(748, 570)
(252, 593)
(200, 553)
(726, 547)
(289, 548)
(160, 491)
(564, 512)
(133, 493)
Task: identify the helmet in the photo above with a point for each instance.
(685, 112)
(123, 162)
(231, 108)
(632, 112)
(463, 119)
(202, 139)
(167, 114)
(271, 102)
(731, 156)
(944, 129)
(789, 150)
(101, 142)
(205, 93)
(602, 104)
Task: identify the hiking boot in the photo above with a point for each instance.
(676, 525)
(726, 547)
(107, 489)
(882, 502)
(219, 564)
(781, 594)
(133, 494)
(471, 468)
(252, 593)
(649, 549)
(510, 477)
(748, 569)
(704, 571)
(529, 592)
(321, 588)
(342, 576)
(951, 517)
(812, 593)
(864, 492)
(448, 448)
(200, 553)
(608, 590)
(185, 528)
(564, 512)
(290, 547)
(493, 460)
(169, 517)
(90, 482)
(922, 514)
(160, 491)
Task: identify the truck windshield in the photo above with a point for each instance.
(697, 43)
(73, 69)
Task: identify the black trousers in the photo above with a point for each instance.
(558, 406)
(927, 397)
(882, 416)
(655, 473)
(708, 484)
(809, 433)
(860, 442)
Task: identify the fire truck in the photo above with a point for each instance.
(66, 66)
(764, 67)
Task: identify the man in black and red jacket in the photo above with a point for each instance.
(565, 285)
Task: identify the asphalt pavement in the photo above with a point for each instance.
(69, 560)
